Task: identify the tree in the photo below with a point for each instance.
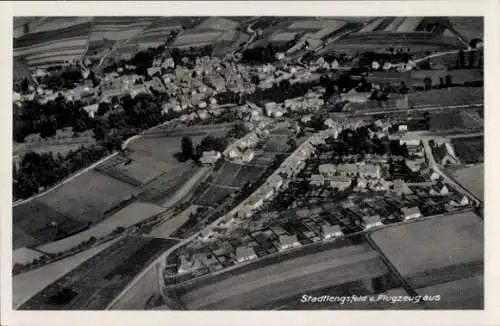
(441, 82)
(25, 85)
(187, 147)
(461, 59)
(427, 83)
(472, 59)
(448, 81)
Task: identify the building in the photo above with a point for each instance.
(210, 157)
(459, 200)
(348, 169)
(439, 190)
(410, 213)
(444, 154)
(255, 203)
(371, 221)
(327, 169)
(330, 231)
(340, 182)
(369, 171)
(245, 254)
(91, 109)
(186, 265)
(288, 242)
(317, 180)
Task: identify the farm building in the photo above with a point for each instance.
(210, 157)
(371, 221)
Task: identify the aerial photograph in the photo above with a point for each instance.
(247, 163)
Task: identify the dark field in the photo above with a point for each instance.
(32, 224)
(95, 283)
(466, 120)
(469, 150)
(445, 97)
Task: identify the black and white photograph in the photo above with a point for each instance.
(249, 163)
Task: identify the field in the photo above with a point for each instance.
(271, 285)
(196, 38)
(435, 251)
(469, 27)
(465, 293)
(128, 216)
(168, 227)
(31, 224)
(213, 195)
(445, 97)
(101, 193)
(466, 120)
(470, 149)
(25, 285)
(236, 175)
(96, 282)
(118, 28)
(25, 255)
(471, 178)
(54, 40)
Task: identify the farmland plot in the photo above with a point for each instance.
(26, 285)
(213, 195)
(453, 121)
(168, 227)
(227, 173)
(469, 150)
(247, 174)
(196, 38)
(119, 28)
(453, 96)
(128, 216)
(34, 223)
(96, 282)
(218, 23)
(88, 196)
(471, 178)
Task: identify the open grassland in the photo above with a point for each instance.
(26, 285)
(428, 252)
(472, 178)
(260, 287)
(128, 216)
(96, 282)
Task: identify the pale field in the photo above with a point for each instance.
(26, 285)
(433, 243)
(409, 24)
(370, 26)
(128, 216)
(24, 255)
(218, 23)
(394, 24)
(471, 178)
(56, 23)
(282, 37)
(51, 45)
(196, 38)
(228, 36)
